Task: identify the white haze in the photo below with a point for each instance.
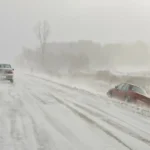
(98, 20)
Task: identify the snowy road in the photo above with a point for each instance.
(39, 115)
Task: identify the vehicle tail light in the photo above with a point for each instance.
(9, 71)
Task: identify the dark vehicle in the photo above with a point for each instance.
(6, 72)
(130, 93)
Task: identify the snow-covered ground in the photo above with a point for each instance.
(49, 114)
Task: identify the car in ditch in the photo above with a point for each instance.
(130, 93)
(6, 72)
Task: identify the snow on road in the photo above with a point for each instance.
(36, 114)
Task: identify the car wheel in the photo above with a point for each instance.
(11, 80)
(109, 94)
(127, 99)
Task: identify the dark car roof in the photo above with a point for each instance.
(136, 86)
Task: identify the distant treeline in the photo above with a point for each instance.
(85, 55)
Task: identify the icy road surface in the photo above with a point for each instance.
(39, 115)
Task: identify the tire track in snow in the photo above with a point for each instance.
(87, 118)
(111, 122)
(63, 130)
(83, 116)
(43, 139)
(105, 112)
(91, 121)
(114, 124)
(5, 140)
(14, 115)
(38, 129)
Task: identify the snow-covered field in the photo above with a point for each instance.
(42, 113)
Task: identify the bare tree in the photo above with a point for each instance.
(42, 31)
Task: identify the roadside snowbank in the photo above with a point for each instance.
(103, 78)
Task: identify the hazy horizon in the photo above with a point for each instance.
(97, 20)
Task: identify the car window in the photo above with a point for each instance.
(5, 66)
(125, 87)
(120, 86)
(138, 90)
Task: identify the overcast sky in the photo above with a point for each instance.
(100, 20)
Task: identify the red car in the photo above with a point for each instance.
(129, 92)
